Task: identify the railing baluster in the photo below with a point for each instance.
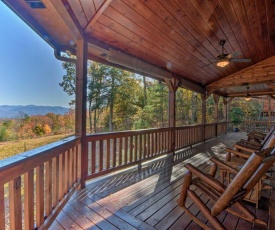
(55, 180)
(120, 151)
(39, 195)
(48, 188)
(61, 173)
(131, 148)
(15, 204)
(93, 157)
(66, 176)
(114, 152)
(70, 179)
(74, 162)
(108, 152)
(100, 156)
(144, 146)
(140, 147)
(136, 147)
(125, 150)
(29, 199)
(2, 207)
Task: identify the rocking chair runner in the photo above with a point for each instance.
(226, 197)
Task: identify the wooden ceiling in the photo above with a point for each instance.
(178, 37)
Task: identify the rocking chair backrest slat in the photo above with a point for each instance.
(270, 159)
(238, 182)
(268, 135)
(270, 142)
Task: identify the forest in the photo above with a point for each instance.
(118, 100)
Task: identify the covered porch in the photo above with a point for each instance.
(145, 197)
(179, 43)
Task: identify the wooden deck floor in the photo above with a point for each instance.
(146, 198)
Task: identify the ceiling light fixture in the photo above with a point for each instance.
(222, 63)
(36, 4)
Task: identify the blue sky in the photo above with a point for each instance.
(29, 72)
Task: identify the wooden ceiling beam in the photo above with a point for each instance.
(100, 11)
(262, 93)
(63, 9)
(216, 98)
(66, 12)
(262, 72)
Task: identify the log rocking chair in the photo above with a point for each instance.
(228, 198)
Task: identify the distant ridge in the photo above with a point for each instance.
(16, 111)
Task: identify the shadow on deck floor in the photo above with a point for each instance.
(145, 198)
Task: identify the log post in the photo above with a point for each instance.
(80, 104)
(225, 102)
(216, 112)
(203, 114)
(269, 112)
(172, 87)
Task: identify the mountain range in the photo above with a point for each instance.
(16, 111)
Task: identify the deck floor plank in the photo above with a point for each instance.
(66, 222)
(146, 198)
(116, 221)
(94, 217)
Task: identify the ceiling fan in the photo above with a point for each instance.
(223, 59)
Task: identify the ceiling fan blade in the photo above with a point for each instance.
(209, 59)
(234, 55)
(240, 60)
(209, 64)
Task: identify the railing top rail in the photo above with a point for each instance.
(35, 157)
(106, 135)
(128, 133)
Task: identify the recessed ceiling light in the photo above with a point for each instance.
(35, 4)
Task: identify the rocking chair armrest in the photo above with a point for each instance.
(255, 136)
(220, 187)
(243, 142)
(250, 150)
(224, 166)
(256, 133)
(237, 153)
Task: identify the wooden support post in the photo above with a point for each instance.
(203, 114)
(216, 112)
(225, 109)
(80, 104)
(229, 126)
(269, 112)
(172, 86)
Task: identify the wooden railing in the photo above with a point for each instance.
(221, 128)
(31, 189)
(36, 184)
(112, 151)
(260, 126)
(215, 129)
(188, 135)
(108, 152)
(210, 131)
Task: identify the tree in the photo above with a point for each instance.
(69, 79)
(188, 107)
(156, 110)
